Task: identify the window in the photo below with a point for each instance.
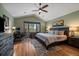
(32, 26)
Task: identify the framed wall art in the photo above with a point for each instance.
(6, 23)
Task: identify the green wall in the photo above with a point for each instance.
(18, 22)
(71, 19)
(3, 11)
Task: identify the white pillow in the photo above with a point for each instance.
(51, 32)
(56, 32)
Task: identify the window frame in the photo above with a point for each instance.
(27, 22)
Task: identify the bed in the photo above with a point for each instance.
(49, 39)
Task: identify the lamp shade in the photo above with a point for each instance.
(13, 28)
(6, 28)
(73, 28)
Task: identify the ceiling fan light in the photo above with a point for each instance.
(39, 10)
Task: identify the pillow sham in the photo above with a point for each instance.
(51, 32)
(60, 32)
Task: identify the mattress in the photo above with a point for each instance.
(50, 38)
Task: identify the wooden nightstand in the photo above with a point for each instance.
(74, 41)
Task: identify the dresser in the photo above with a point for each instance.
(6, 45)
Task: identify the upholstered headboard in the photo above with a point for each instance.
(62, 28)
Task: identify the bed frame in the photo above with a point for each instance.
(59, 28)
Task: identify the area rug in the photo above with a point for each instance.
(55, 48)
(41, 50)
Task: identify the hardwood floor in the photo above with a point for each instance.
(65, 50)
(25, 48)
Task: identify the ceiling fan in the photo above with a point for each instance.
(41, 8)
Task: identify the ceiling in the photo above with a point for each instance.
(54, 9)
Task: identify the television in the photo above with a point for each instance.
(2, 24)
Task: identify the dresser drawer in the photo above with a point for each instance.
(6, 49)
(6, 46)
(1, 44)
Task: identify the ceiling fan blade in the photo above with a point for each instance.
(45, 10)
(44, 6)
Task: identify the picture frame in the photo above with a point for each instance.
(61, 22)
(6, 23)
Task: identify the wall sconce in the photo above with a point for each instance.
(48, 28)
(13, 29)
